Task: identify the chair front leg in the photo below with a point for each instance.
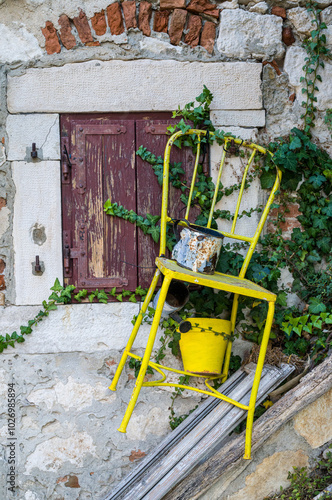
(258, 373)
(132, 337)
(147, 354)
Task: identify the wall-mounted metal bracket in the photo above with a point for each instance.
(38, 267)
(34, 152)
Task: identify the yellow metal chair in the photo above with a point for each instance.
(237, 285)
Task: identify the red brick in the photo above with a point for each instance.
(129, 12)
(135, 455)
(66, 36)
(2, 282)
(161, 21)
(213, 13)
(98, 22)
(177, 25)
(83, 28)
(2, 265)
(279, 11)
(292, 97)
(144, 16)
(208, 36)
(114, 17)
(194, 29)
(3, 202)
(274, 66)
(52, 44)
(92, 44)
(290, 217)
(172, 4)
(201, 6)
(287, 36)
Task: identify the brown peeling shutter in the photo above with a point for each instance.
(103, 166)
(101, 251)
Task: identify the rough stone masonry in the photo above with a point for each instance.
(59, 57)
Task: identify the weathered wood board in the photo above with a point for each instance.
(196, 439)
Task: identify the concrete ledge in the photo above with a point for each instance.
(133, 86)
(75, 328)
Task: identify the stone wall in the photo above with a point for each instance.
(88, 56)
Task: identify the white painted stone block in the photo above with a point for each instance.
(23, 130)
(143, 85)
(76, 328)
(244, 34)
(232, 174)
(17, 45)
(294, 62)
(36, 229)
(301, 20)
(247, 118)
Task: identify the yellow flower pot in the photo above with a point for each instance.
(203, 346)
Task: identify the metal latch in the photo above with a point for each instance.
(66, 164)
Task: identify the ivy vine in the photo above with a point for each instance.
(316, 49)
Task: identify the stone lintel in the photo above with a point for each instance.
(134, 86)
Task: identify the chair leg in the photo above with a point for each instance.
(258, 373)
(147, 354)
(230, 343)
(132, 337)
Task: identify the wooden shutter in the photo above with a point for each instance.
(103, 166)
(102, 251)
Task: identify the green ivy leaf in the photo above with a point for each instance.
(57, 286)
(316, 306)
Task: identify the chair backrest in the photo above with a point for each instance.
(227, 140)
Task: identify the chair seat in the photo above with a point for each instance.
(219, 281)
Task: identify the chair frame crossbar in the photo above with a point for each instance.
(170, 274)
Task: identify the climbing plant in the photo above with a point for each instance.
(315, 46)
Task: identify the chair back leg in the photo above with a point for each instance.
(258, 374)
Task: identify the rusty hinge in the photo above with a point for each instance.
(68, 254)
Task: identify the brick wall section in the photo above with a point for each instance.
(290, 217)
(193, 22)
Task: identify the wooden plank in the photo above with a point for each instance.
(154, 471)
(120, 187)
(175, 436)
(205, 446)
(312, 386)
